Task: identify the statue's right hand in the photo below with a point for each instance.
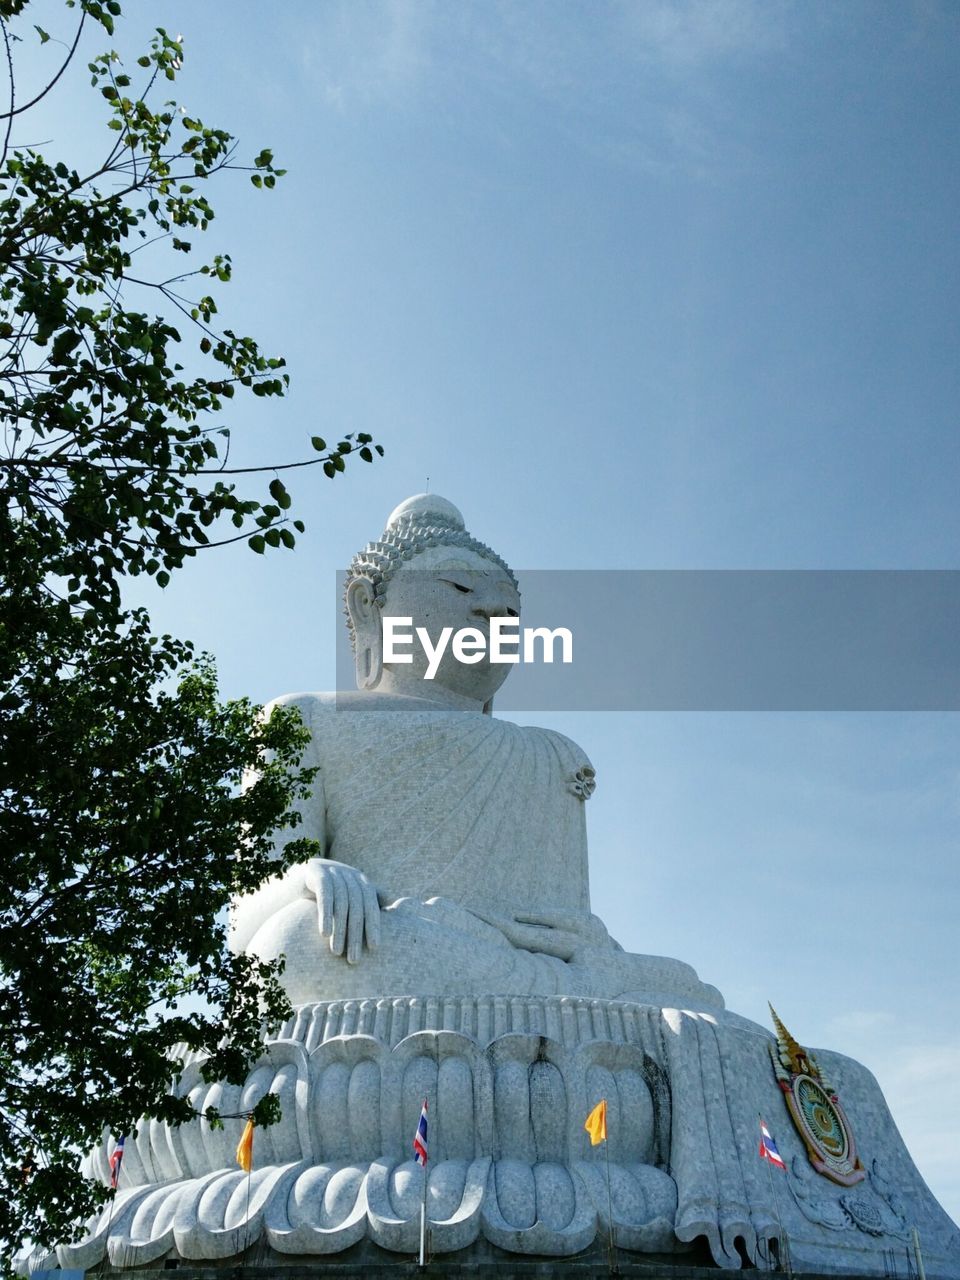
(347, 907)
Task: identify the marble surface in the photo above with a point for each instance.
(510, 1083)
(463, 841)
(444, 947)
(455, 846)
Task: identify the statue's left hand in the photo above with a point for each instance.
(348, 909)
(554, 933)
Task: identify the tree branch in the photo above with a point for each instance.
(10, 113)
(43, 93)
(61, 462)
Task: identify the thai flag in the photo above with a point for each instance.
(420, 1139)
(116, 1160)
(768, 1148)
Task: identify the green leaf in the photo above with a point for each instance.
(257, 543)
(279, 494)
(44, 37)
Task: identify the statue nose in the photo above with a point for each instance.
(491, 609)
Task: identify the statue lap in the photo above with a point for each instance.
(442, 807)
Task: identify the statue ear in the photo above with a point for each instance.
(367, 632)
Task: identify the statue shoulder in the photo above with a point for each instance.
(309, 705)
(568, 751)
(317, 705)
(319, 710)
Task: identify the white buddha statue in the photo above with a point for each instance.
(455, 843)
(455, 865)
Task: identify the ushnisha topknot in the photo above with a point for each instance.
(425, 520)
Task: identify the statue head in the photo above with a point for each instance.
(427, 567)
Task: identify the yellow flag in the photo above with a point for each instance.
(245, 1148)
(596, 1123)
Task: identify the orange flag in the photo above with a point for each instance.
(596, 1123)
(245, 1148)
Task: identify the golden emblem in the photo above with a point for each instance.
(815, 1110)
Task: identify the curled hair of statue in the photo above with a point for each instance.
(418, 524)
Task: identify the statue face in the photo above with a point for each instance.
(452, 587)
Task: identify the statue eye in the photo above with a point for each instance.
(513, 613)
(460, 587)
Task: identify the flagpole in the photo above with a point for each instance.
(115, 1187)
(915, 1234)
(596, 1126)
(423, 1212)
(423, 1218)
(246, 1225)
(109, 1223)
(245, 1161)
(782, 1240)
(773, 1192)
(106, 1242)
(613, 1247)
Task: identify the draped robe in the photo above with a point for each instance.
(455, 805)
(464, 824)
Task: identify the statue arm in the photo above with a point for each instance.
(251, 910)
(348, 910)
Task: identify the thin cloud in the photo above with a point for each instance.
(685, 35)
(642, 87)
(913, 1078)
(376, 51)
(364, 54)
(858, 1023)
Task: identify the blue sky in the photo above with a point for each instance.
(649, 285)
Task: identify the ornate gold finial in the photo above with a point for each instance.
(793, 1057)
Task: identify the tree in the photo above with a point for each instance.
(123, 824)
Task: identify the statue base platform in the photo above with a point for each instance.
(512, 1173)
(366, 1261)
